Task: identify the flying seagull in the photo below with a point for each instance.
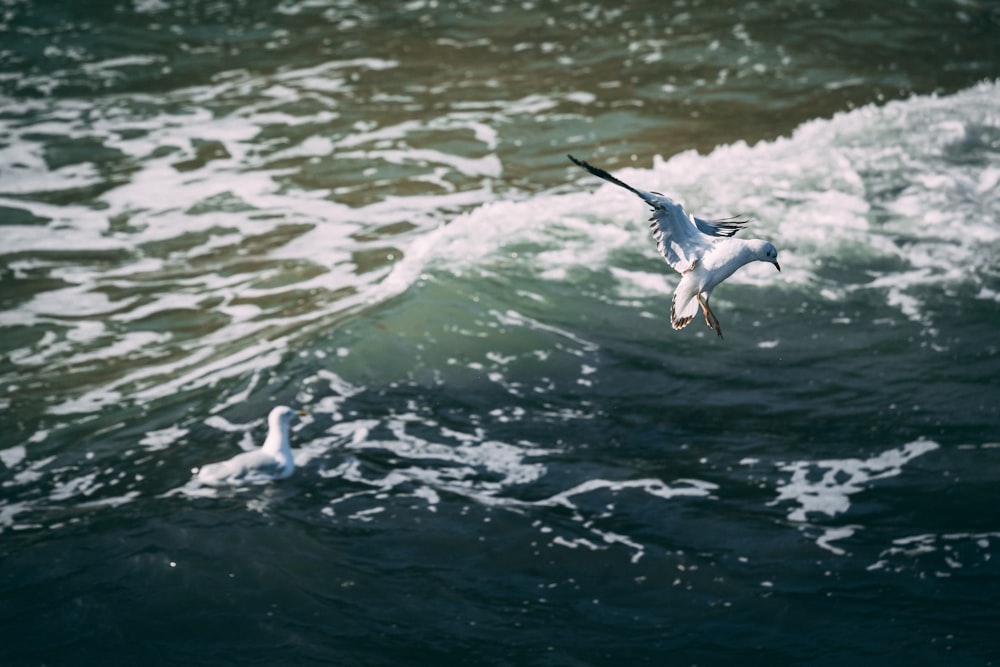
(272, 461)
(702, 251)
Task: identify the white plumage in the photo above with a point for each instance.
(702, 251)
(273, 460)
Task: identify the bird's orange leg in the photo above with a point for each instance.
(710, 319)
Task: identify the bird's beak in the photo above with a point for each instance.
(776, 265)
(302, 413)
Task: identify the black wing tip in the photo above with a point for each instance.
(589, 167)
(600, 173)
(727, 227)
(583, 164)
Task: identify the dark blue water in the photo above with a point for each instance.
(510, 457)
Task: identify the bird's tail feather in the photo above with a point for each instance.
(684, 306)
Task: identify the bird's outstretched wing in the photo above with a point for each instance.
(680, 237)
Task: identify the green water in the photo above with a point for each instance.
(511, 458)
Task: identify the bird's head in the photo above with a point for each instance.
(768, 253)
(282, 416)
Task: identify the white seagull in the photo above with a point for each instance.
(273, 460)
(702, 251)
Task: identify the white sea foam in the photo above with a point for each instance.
(162, 439)
(946, 552)
(812, 193)
(489, 473)
(12, 456)
(825, 486)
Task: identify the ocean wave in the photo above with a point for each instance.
(217, 264)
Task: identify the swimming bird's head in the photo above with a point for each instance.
(280, 418)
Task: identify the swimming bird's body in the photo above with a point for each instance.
(702, 251)
(273, 460)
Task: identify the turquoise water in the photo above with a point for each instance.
(510, 457)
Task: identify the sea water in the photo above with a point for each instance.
(510, 457)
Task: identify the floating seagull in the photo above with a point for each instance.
(702, 251)
(272, 461)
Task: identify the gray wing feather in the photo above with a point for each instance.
(677, 238)
(680, 237)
